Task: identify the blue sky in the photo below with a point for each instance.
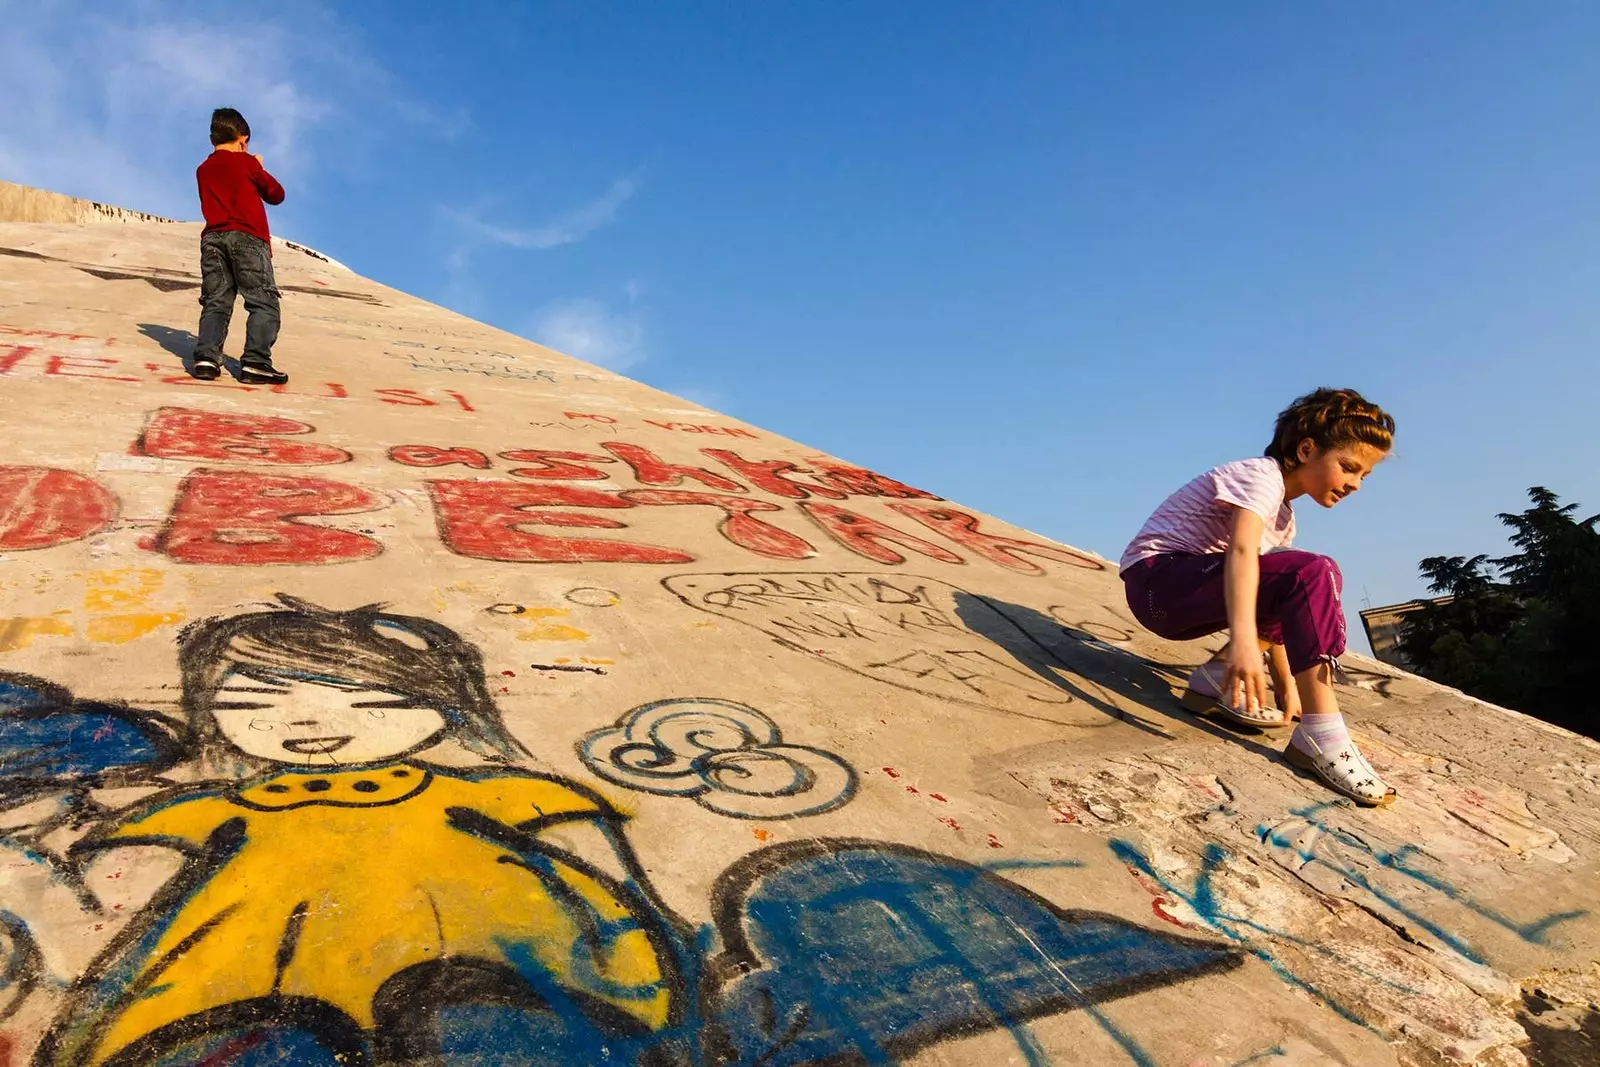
(1047, 259)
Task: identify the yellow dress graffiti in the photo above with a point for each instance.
(343, 880)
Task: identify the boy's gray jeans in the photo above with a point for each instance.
(235, 262)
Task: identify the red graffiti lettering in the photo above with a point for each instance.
(429, 456)
(335, 391)
(183, 433)
(771, 476)
(487, 520)
(557, 466)
(607, 419)
(649, 469)
(14, 354)
(738, 525)
(962, 528)
(857, 481)
(407, 397)
(244, 519)
(72, 366)
(184, 379)
(868, 537)
(21, 331)
(41, 507)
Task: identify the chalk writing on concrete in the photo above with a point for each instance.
(907, 631)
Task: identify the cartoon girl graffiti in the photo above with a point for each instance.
(343, 900)
(341, 896)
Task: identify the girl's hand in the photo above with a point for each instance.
(1244, 680)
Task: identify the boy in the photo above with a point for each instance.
(236, 252)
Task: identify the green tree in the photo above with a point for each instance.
(1524, 634)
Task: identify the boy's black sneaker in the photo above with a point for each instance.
(205, 368)
(261, 374)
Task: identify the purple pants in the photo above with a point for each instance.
(1181, 597)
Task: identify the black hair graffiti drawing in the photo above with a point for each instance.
(246, 662)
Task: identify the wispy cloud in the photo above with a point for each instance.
(566, 229)
(586, 329)
(113, 102)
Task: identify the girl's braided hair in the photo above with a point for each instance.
(1330, 418)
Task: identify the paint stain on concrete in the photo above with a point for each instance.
(120, 629)
(542, 627)
(120, 590)
(18, 633)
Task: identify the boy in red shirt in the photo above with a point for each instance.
(236, 252)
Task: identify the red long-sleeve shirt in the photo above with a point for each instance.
(233, 186)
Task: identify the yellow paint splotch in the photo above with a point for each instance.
(120, 629)
(109, 597)
(541, 626)
(119, 590)
(19, 633)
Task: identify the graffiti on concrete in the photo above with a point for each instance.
(44, 507)
(1202, 897)
(1203, 894)
(363, 871)
(337, 892)
(593, 596)
(1319, 850)
(224, 516)
(913, 948)
(729, 757)
(907, 631)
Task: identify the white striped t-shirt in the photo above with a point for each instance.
(1197, 519)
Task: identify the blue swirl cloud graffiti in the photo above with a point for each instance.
(729, 757)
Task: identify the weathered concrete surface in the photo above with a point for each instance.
(888, 793)
(24, 203)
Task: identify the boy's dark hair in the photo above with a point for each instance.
(1329, 418)
(227, 126)
(366, 647)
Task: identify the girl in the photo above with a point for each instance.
(339, 888)
(1216, 556)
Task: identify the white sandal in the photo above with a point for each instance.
(1204, 696)
(1345, 771)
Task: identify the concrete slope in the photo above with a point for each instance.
(23, 203)
(463, 703)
